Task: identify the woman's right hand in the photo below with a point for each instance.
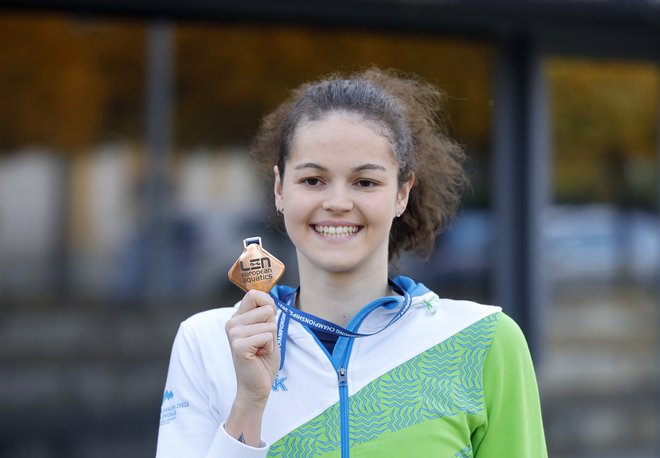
(252, 338)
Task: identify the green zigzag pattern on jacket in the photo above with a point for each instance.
(444, 380)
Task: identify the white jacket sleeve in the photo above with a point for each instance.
(189, 425)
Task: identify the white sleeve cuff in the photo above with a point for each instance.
(226, 446)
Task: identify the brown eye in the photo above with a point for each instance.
(312, 181)
(366, 184)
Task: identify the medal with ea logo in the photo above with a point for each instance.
(256, 268)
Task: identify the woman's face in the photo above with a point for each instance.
(339, 195)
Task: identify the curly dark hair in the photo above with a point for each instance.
(409, 112)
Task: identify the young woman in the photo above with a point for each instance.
(364, 366)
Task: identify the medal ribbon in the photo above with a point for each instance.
(289, 312)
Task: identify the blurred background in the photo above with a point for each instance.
(125, 194)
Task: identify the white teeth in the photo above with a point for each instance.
(336, 231)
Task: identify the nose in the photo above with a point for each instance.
(338, 199)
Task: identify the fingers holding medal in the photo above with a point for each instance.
(252, 329)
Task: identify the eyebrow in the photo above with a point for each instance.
(310, 165)
(360, 168)
(369, 167)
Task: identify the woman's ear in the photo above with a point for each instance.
(277, 188)
(404, 194)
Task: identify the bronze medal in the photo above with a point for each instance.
(256, 268)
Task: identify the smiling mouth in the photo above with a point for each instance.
(336, 231)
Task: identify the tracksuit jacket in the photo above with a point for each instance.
(448, 379)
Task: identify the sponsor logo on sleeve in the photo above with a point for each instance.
(170, 406)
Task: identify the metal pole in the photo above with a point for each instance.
(657, 267)
(159, 145)
(539, 188)
(508, 149)
(519, 182)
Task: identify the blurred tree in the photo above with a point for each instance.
(229, 76)
(229, 68)
(605, 124)
(68, 84)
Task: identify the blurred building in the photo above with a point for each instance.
(125, 194)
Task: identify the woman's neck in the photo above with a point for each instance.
(337, 297)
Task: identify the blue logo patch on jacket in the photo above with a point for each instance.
(278, 384)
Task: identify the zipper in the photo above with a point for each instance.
(343, 411)
(340, 358)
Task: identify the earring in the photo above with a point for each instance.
(280, 211)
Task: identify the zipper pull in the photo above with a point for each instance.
(342, 377)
